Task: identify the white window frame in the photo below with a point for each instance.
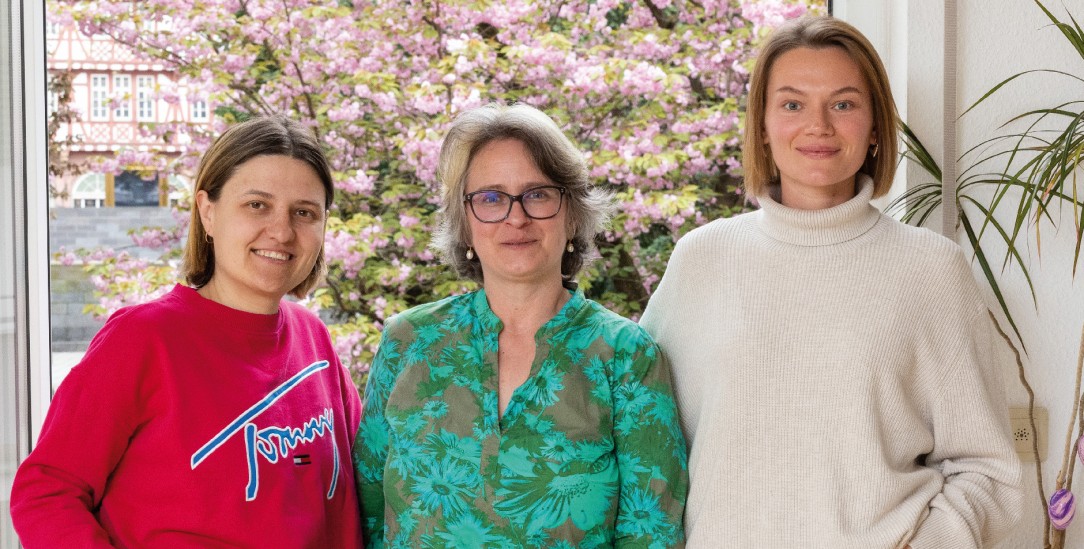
(89, 191)
(99, 97)
(198, 111)
(145, 111)
(122, 93)
(23, 177)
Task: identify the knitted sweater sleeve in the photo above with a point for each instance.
(981, 498)
(95, 411)
(662, 317)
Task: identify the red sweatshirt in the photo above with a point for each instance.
(191, 424)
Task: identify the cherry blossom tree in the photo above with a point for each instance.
(652, 91)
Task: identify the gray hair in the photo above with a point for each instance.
(589, 208)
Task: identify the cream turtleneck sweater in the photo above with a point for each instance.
(835, 378)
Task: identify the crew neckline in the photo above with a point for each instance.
(227, 317)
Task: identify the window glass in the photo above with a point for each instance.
(145, 97)
(199, 111)
(89, 191)
(9, 366)
(99, 97)
(133, 188)
(122, 95)
(21, 68)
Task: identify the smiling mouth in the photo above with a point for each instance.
(818, 152)
(281, 256)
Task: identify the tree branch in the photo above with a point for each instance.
(661, 17)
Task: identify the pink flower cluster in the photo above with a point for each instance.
(652, 97)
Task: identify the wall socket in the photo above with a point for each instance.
(1023, 434)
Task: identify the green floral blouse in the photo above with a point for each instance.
(589, 452)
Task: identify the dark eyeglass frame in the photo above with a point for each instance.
(513, 198)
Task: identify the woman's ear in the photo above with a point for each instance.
(206, 209)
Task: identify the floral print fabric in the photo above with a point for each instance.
(589, 451)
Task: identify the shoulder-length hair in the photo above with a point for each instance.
(818, 33)
(262, 136)
(589, 208)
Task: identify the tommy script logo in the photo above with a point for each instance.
(274, 442)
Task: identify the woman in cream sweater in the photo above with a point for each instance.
(833, 367)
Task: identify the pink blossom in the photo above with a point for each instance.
(654, 107)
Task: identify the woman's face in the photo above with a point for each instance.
(818, 124)
(518, 249)
(268, 230)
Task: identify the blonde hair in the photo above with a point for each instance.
(819, 32)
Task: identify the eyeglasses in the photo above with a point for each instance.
(491, 206)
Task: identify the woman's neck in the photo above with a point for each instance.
(525, 308)
(260, 305)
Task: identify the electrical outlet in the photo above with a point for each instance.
(1023, 435)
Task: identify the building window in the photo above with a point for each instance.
(199, 111)
(145, 98)
(136, 188)
(99, 97)
(89, 191)
(122, 91)
(88, 202)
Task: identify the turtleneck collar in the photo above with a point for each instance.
(834, 225)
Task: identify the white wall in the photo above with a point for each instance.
(996, 39)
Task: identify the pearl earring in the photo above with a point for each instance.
(570, 248)
(470, 253)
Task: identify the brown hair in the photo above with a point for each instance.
(818, 32)
(589, 208)
(262, 136)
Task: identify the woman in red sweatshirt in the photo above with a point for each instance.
(217, 415)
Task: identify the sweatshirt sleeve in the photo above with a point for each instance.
(351, 401)
(58, 488)
(981, 498)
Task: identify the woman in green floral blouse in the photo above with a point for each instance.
(523, 414)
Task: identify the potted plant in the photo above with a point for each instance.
(1035, 170)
